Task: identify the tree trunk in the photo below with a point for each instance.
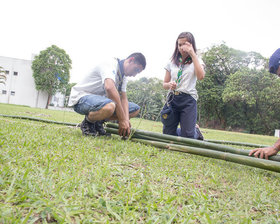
(48, 101)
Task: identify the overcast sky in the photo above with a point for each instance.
(92, 30)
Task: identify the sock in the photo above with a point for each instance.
(89, 120)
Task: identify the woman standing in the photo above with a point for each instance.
(180, 79)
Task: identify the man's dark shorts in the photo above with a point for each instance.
(90, 103)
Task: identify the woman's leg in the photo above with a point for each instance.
(188, 117)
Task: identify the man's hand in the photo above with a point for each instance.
(263, 152)
(124, 128)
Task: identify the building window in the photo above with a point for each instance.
(7, 72)
(4, 91)
(13, 93)
(15, 73)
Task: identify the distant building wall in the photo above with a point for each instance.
(20, 86)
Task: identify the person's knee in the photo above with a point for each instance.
(109, 108)
(104, 113)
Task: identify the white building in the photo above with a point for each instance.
(20, 86)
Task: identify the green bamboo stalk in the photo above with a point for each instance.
(139, 136)
(245, 160)
(38, 119)
(111, 130)
(243, 152)
(190, 142)
(237, 143)
(154, 136)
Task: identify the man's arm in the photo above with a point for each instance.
(125, 104)
(112, 93)
(266, 152)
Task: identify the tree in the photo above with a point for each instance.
(149, 95)
(254, 94)
(221, 61)
(51, 70)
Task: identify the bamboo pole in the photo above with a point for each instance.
(38, 119)
(237, 143)
(168, 139)
(245, 160)
(136, 133)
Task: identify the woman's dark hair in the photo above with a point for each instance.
(139, 58)
(176, 55)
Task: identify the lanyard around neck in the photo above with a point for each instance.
(181, 66)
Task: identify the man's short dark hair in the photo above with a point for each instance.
(139, 58)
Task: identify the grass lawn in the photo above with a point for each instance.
(52, 174)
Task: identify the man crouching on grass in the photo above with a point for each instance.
(274, 68)
(101, 95)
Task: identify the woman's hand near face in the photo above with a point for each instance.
(188, 48)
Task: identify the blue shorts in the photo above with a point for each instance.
(92, 102)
